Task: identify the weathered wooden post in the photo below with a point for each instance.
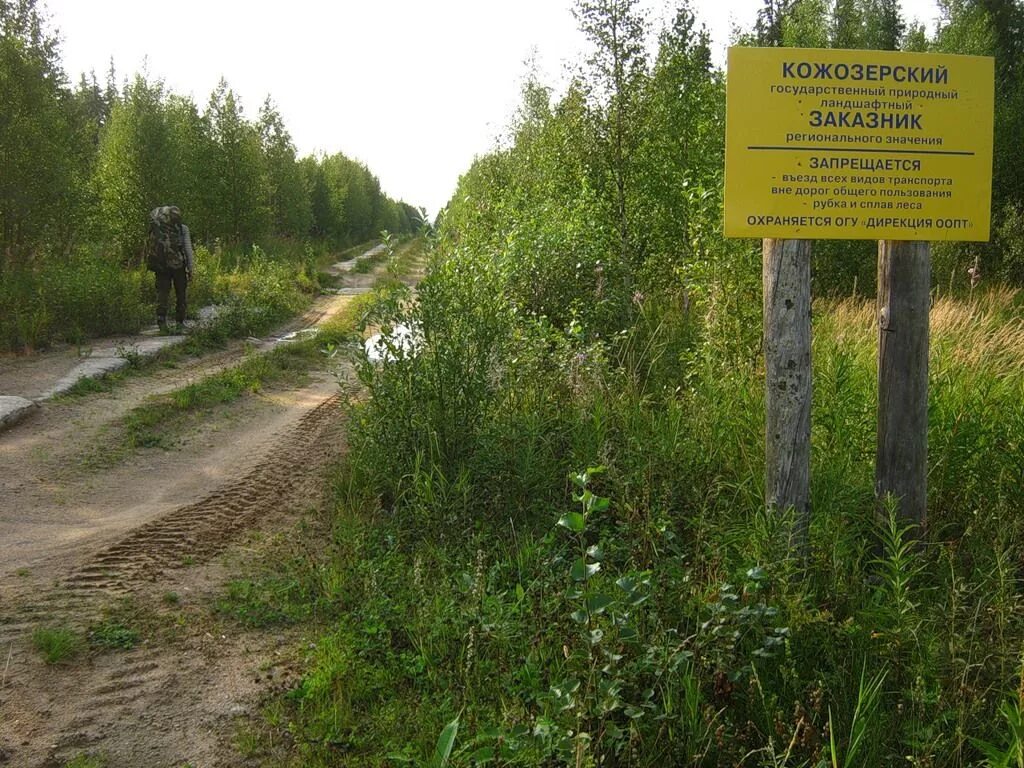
(901, 463)
(787, 357)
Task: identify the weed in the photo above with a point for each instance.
(85, 760)
(271, 601)
(58, 645)
(91, 385)
(249, 742)
(862, 726)
(130, 354)
(112, 635)
(1010, 754)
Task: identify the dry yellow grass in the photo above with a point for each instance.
(985, 334)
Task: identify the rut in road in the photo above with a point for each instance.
(195, 532)
(198, 531)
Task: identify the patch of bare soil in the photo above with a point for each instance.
(81, 537)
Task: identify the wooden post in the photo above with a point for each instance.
(787, 355)
(901, 463)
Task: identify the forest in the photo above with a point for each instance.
(84, 164)
(548, 543)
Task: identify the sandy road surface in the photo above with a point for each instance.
(80, 536)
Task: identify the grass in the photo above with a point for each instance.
(90, 294)
(141, 365)
(266, 602)
(86, 760)
(154, 424)
(285, 583)
(368, 264)
(57, 645)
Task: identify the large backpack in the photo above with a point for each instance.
(166, 249)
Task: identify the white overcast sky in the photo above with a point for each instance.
(412, 88)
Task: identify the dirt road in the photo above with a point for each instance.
(83, 539)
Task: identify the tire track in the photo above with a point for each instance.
(188, 535)
(196, 532)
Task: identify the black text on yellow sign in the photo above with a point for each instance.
(877, 145)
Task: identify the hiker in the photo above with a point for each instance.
(170, 258)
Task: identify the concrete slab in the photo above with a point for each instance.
(14, 409)
(107, 359)
(341, 267)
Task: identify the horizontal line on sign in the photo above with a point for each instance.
(875, 151)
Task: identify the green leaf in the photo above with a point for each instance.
(582, 570)
(636, 599)
(595, 553)
(483, 755)
(597, 604)
(445, 743)
(599, 504)
(573, 521)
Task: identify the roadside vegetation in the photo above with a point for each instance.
(549, 543)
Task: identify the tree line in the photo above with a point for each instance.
(83, 164)
(625, 167)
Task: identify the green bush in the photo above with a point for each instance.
(675, 618)
(90, 295)
(69, 300)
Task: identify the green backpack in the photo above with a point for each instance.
(166, 248)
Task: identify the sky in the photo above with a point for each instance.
(413, 89)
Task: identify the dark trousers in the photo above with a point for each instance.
(164, 278)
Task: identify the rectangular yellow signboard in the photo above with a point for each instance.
(878, 145)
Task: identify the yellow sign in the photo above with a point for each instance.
(874, 145)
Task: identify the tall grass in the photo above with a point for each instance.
(89, 294)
